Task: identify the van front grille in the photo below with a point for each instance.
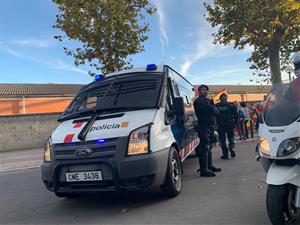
(100, 148)
(87, 143)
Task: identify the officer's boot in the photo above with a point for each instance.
(231, 146)
(203, 160)
(232, 153)
(225, 153)
(210, 165)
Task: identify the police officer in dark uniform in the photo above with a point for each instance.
(225, 119)
(205, 112)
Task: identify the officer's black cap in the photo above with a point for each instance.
(203, 86)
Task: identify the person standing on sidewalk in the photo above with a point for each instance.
(252, 118)
(237, 120)
(258, 110)
(205, 112)
(246, 119)
(241, 118)
(225, 121)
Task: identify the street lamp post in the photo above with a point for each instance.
(289, 70)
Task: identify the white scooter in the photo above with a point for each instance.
(279, 153)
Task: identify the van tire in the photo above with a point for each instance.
(173, 181)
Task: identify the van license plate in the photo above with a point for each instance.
(84, 176)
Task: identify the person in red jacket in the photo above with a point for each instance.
(258, 110)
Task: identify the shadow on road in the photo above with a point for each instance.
(125, 201)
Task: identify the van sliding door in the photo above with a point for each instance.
(185, 133)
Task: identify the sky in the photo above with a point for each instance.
(180, 37)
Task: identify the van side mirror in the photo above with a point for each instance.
(179, 106)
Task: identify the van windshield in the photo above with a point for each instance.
(118, 93)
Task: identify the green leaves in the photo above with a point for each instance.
(109, 31)
(272, 27)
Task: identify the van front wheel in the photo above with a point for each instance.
(173, 181)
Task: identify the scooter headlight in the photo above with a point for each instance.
(264, 146)
(288, 146)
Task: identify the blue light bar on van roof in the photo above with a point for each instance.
(151, 67)
(98, 77)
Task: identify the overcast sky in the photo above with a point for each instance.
(179, 37)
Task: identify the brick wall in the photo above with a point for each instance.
(12, 106)
(246, 97)
(46, 105)
(33, 105)
(26, 131)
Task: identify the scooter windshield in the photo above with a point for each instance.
(282, 106)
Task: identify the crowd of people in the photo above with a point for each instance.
(223, 117)
(247, 118)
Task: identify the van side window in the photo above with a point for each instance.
(188, 98)
(181, 88)
(175, 89)
(170, 101)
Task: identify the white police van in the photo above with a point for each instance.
(129, 130)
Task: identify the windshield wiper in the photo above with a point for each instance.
(86, 128)
(112, 109)
(75, 115)
(86, 112)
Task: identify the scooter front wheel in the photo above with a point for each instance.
(281, 205)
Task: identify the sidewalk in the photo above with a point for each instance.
(255, 138)
(20, 160)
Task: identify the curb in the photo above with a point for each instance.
(247, 140)
(20, 166)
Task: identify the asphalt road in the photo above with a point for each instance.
(235, 196)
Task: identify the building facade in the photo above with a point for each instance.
(50, 98)
(242, 93)
(35, 98)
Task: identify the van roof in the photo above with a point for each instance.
(160, 68)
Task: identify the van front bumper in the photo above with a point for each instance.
(138, 172)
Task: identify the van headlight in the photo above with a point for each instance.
(264, 146)
(288, 146)
(47, 150)
(139, 141)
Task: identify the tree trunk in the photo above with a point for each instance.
(275, 64)
(274, 57)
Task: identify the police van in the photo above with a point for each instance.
(129, 130)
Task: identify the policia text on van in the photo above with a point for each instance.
(128, 130)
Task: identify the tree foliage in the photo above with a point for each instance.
(270, 27)
(109, 31)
